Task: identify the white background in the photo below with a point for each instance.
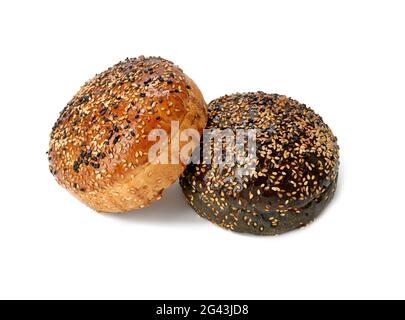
(346, 59)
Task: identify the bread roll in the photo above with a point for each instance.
(99, 145)
(293, 176)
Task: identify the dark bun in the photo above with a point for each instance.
(99, 146)
(295, 175)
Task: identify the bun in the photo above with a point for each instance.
(294, 175)
(99, 146)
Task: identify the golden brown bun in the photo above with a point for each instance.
(99, 146)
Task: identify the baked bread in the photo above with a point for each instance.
(293, 176)
(99, 146)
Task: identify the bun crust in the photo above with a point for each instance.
(294, 174)
(99, 146)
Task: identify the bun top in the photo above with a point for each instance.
(103, 131)
(297, 153)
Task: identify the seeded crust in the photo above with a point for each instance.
(295, 174)
(99, 146)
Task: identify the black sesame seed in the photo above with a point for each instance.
(76, 167)
(84, 99)
(116, 139)
(95, 165)
(217, 107)
(142, 94)
(158, 118)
